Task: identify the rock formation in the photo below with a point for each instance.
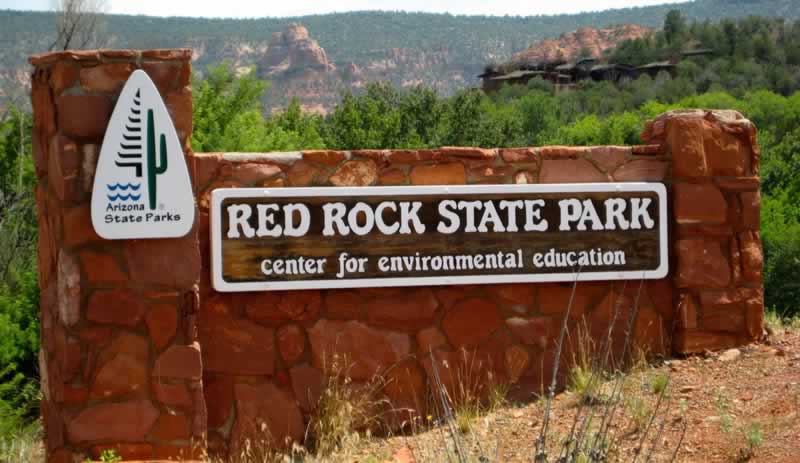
(298, 67)
(293, 50)
(586, 39)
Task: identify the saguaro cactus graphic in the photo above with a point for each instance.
(154, 168)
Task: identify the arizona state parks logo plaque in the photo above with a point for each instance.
(141, 187)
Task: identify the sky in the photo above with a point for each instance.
(283, 8)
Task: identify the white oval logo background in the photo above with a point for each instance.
(141, 187)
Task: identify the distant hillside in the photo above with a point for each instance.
(586, 42)
(443, 51)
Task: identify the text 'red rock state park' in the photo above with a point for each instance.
(191, 300)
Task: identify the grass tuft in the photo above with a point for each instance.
(753, 437)
(776, 321)
(25, 445)
(723, 405)
(658, 383)
(639, 411)
(344, 410)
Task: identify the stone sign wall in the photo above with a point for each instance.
(120, 362)
(139, 353)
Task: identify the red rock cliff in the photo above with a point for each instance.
(293, 50)
(569, 46)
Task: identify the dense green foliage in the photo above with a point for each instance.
(19, 291)
(227, 117)
(754, 52)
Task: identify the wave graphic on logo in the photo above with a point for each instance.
(124, 187)
(121, 197)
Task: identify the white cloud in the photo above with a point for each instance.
(261, 8)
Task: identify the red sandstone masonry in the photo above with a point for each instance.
(715, 163)
(122, 351)
(120, 364)
(508, 329)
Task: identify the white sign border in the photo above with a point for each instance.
(178, 188)
(220, 194)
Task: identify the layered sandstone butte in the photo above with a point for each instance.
(570, 46)
(293, 50)
(298, 67)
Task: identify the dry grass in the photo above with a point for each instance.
(259, 450)
(346, 412)
(588, 369)
(610, 404)
(613, 414)
(458, 417)
(24, 447)
(775, 321)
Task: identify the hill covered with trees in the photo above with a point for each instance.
(442, 51)
(754, 52)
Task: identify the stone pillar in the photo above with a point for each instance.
(120, 362)
(716, 244)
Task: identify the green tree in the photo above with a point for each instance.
(780, 233)
(674, 27)
(220, 100)
(227, 117)
(540, 116)
(19, 346)
(19, 291)
(472, 119)
(422, 111)
(370, 121)
(17, 206)
(302, 129)
(16, 169)
(587, 130)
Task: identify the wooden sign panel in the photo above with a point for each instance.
(304, 238)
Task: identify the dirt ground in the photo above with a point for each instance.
(746, 398)
(723, 401)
